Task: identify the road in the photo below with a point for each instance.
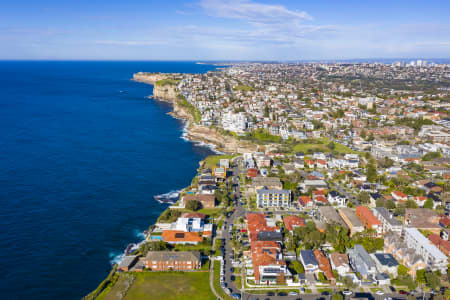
(240, 211)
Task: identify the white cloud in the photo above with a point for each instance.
(252, 11)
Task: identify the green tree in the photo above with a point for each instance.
(364, 197)
(433, 280)
(193, 205)
(420, 276)
(331, 146)
(410, 204)
(363, 134)
(371, 171)
(297, 267)
(402, 270)
(428, 203)
(337, 296)
(431, 156)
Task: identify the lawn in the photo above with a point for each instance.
(169, 286)
(213, 160)
(167, 81)
(320, 145)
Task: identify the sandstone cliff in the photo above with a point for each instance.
(150, 78)
(207, 135)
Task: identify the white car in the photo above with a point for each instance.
(379, 293)
(347, 293)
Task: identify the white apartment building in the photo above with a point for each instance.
(432, 256)
(273, 198)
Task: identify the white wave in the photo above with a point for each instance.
(212, 147)
(116, 258)
(168, 198)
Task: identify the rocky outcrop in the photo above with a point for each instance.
(166, 92)
(150, 78)
(224, 143)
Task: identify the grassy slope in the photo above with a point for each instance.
(321, 147)
(213, 160)
(164, 285)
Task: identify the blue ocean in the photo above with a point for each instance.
(83, 152)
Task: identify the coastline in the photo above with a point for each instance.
(216, 141)
(191, 132)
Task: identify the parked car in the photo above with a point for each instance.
(236, 296)
(402, 292)
(347, 292)
(292, 293)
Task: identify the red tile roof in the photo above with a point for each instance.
(367, 217)
(293, 221)
(324, 264)
(176, 236)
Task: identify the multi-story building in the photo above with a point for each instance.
(368, 219)
(268, 264)
(352, 221)
(388, 221)
(432, 256)
(172, 261)
(273, 198)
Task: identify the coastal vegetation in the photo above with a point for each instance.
(195, 113)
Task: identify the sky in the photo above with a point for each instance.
(223, 30)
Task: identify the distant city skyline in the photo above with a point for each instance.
(224, 30)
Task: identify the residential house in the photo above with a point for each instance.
(386, 263)
(361, 262)
(309, 261)
(337, 199)
(181, 237)
(340, 263)
(291, 222)
(399, 196)
(324, 266)
(305, 201)
(313, 184)
(257, 222)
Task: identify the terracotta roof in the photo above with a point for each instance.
(320, 199)
(366, 216)
(304, 200)
(324, 264)
(176, 236)
(293, 221)
(339, 259)
(264, 253)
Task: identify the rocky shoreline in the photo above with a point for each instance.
(194, 132)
